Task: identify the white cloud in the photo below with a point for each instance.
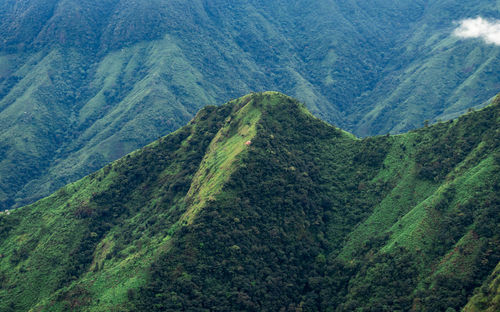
(488, 30)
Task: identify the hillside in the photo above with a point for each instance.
(257, 205)
(82, 83)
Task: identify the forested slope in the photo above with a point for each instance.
(257, 205)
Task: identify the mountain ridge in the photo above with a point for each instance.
(304, 216)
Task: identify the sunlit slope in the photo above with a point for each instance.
(488, 297)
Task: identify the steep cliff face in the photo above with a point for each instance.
(258, 205)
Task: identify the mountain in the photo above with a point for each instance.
(257, 205)
(85, 82)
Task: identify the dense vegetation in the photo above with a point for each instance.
(257, 205)
(85, 82)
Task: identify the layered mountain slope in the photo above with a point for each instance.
(83, 83)
(257, 205)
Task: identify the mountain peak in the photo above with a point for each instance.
(265, 100)
(232, 141)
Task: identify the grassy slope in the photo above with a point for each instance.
(80, 88)
(197, 212)
(218, 164)
(85, 218)
(439, 219)
(488, 297)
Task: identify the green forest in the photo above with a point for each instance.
(258, 205)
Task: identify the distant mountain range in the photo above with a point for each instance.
(257, 205)
(84, 82)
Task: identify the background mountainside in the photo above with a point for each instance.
(257, 205)
(85, 82)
